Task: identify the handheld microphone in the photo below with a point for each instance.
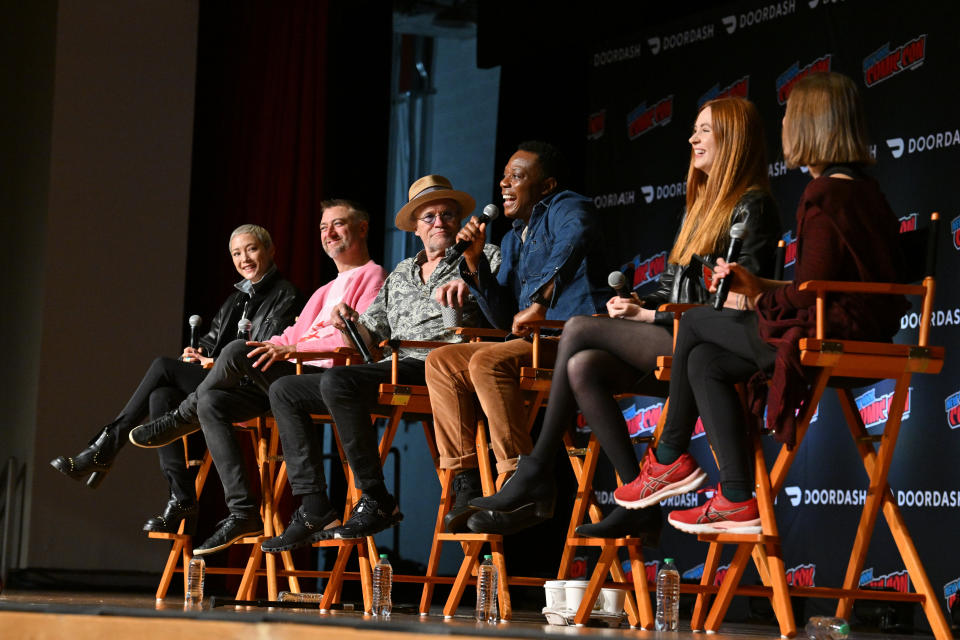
(490, 212)
(357, 340)
(194, 322)
(243, 329)
(618, 282)
(738, 233)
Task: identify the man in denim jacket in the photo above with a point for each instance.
(550, 256)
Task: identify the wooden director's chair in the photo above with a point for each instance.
(836, 363)
(272, 476)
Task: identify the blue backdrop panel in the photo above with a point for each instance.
(644, 94)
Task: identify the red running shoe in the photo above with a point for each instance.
(718, 515)
(658, 482)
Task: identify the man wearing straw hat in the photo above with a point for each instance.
(405, 309)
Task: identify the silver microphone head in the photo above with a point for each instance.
(739, 231)
(491, 211)
(616, 279)
(195, 320)
(244, 324)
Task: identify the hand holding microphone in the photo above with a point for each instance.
(490, 212)
(738, 233)
(618, 282)
(194, 323)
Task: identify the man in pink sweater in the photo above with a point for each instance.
(236, 389)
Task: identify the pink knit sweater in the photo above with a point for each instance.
(362, 287)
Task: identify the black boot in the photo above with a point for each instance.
(620, 523)
(95, 460)
(173, 513)
(467, 486)
(531, 486)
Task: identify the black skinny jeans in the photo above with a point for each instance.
(350, 394)
(233, 392)
(715, 351)
(598, 358)
(165, 384)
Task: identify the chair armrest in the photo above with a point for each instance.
(413, 344)
(545, 324)
(676, 309)
(476, 332)
(879, 288)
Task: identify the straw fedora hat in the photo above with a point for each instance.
(427, 189)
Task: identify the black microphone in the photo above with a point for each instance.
(490, 212)
(738, 233)
(357, 340)
(618, 282)
(194, 322)
(243, 329)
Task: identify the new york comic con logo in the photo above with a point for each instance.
(802, 575)
(898, 581)
(644, 419)
(736, 89)
(952, 407)
(884, 63)
(643, 118)
(596, 124)
(874, 410)
(795, 73)
(647, 270)
(955, 232)
(951, 592)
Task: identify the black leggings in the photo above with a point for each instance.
(597, 358)
(715, 350)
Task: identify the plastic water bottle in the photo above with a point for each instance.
(382, 586)
(195, 575)
(487, 591)
(668, 597)
(827, 628)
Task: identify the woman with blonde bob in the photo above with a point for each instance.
(599, 357)
(845, 231)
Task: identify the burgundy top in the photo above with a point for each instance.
(845, 231)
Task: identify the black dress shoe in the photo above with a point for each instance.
(304, 529)
(367, 518)
(503, 522)
(175, 512)
(229, 530)
(467, 486)
(531, 487)
(620, 523)
(94, 460)
(162, 431)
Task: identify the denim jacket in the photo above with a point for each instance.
(562, 244)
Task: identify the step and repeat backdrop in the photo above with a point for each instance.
(644, 95)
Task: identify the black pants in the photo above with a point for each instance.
(293, 399)
(165, 384)
(715, 350)
(350, 394)
(234, 391)
(597, 358)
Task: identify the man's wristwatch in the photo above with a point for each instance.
(539, 299)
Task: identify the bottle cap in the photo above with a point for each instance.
(488, 557)
(668, 560)
(383, 555)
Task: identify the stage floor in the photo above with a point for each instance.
(79, 616)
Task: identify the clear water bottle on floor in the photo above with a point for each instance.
(196, 570)
(487, 591)
(382, 587)
(827, 628)
(668, 597)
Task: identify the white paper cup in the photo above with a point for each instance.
(574, 590)
(555, 594)
(612, 600)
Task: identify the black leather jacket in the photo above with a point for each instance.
(684, 284)
(272, 308)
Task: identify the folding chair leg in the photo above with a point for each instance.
(331, 594)
(433, 560)
(702, 605)
(607, 556)
(168, 570)
(503, 589)
(470, 551)
(641, 589)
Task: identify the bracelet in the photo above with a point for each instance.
(471, 274)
